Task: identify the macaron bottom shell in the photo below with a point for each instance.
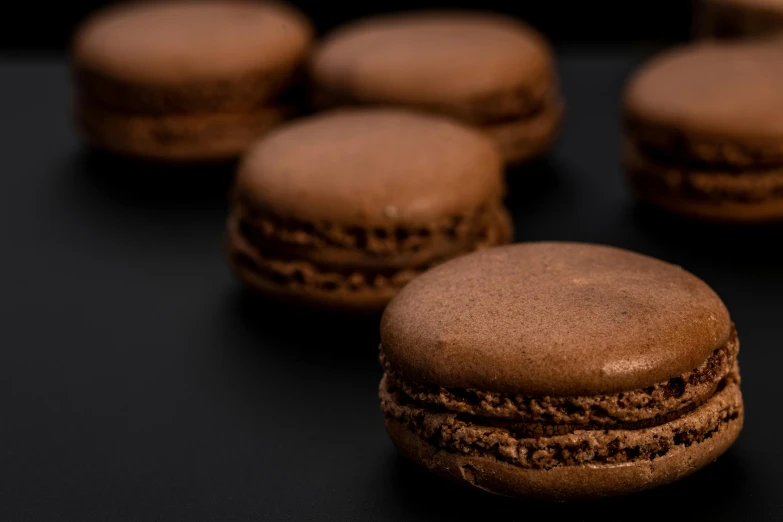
(177, 137)
(699, 437)
(301, 282)
(708, 194)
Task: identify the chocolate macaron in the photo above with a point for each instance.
(705, 132)
(491, 71)
(738, 19)
(560, 371)
(186, 80)
(343, 208)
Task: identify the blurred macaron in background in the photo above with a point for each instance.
(704, 127)
(494, 72)
(186, 81)
(343, 208)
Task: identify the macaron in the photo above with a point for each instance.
(488, 70)
(341, 209)
(186, 81)
(560, 371)
(704, 127)
(738, 19)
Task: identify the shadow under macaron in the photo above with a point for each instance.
(731, 246)
(145, 184)
(713, 493)
(529, 188)
(319, 336)
(528, 182)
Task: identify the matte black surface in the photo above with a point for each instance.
(139, 382)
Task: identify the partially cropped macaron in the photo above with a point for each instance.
(341, 209)
(704, 127)
(491, 71)
(738, 19)
(560, 371)
(186, 81)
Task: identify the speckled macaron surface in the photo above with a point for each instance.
(343, 208)
(738, 19)
(560, 371)
(186, 80)
(488, 70)
(705, 131)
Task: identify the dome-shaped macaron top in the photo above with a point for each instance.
(553, 319)
(433, 58)
(372, 166)
(175, 41)
(713, 90)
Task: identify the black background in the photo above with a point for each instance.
(140, 382)
(37, 25)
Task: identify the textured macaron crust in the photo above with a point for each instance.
(705, 131)
(738, 19)
(343, 208)
(487, 70)
(560, 371)
(146, 72)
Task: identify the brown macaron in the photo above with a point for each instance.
(186, 80)
(343, 208)
(560, 371)
(738, 19)
(488, 70)
(705, 132)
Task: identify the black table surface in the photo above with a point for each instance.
(140, 382)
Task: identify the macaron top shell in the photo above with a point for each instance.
(712, 90)
(372, 167)
(432, 57)
(552, 319)
(174, 42)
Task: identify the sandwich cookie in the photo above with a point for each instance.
(343, 208)
(186, 81)
(705, 132)
(560, 371)
(490, 71)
